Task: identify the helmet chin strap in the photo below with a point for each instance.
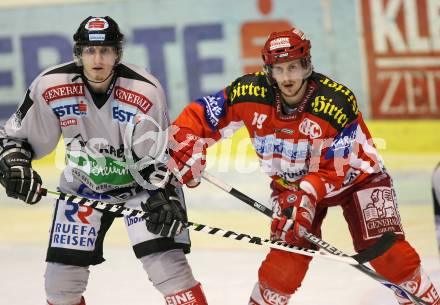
(98, 82)
(302, 84)
(306, 76)
(299, 89)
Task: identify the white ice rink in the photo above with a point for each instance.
(227, 269)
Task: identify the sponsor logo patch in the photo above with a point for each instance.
(284, 130)
(122, 115)
(96, 37)
(336, 87)
(325, 106)
(72, 228)
(273, 298)
(132, 98)
(379, 212)
(70, 109)
(77, 213)
(293, 176)
(247, 90)
(214, 108)
(310, 128)
(299, 33)
(282, 42)
(131, 220)
(270, 145)
(291, 198)
(73, 236)
(342, 144)
(63, 91)
(68, 122)
(96, 24)
(97, 164)
(182, 298)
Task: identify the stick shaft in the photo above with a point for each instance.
(243, 237)
(237, 194)
(314, 239)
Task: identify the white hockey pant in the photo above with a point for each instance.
(65, 284)
(169, 271)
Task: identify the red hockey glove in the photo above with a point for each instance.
(297, 212)
(188, 154)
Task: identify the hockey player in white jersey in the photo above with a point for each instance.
(103, 108)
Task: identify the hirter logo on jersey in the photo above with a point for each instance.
(132, 98)
(63, 91)
(96, 24)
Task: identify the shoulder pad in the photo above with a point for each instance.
(133, 72)
(333, 102)
(66, 68)
(250, 88)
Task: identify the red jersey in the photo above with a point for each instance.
(324, 142)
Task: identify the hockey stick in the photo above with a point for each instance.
(383, 244)
(365, 256)
(121, 210)
(314, 239)
(135, 167)
(435, 187)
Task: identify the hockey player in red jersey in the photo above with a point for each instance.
(95, 103)
(312, 141)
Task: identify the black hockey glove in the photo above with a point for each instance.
(165, 214)
(17, 176)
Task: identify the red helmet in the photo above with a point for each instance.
(286, 46)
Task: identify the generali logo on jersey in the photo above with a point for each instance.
(63, 91)
(132, 98)
(379, 212)
(402, 44)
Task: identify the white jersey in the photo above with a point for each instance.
(97, 128)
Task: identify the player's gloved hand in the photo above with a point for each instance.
(188, 156)
(17, 176)
(297, 213)
(165, 214)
